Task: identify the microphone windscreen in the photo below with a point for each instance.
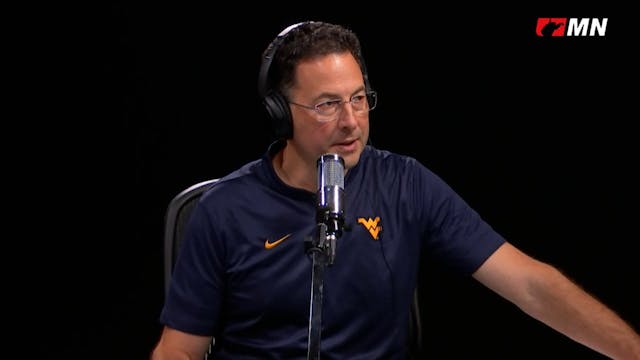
(330, 171)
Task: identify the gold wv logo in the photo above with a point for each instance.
(372, 226)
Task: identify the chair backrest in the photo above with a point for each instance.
(415, 328)
(177, 216)
(176, 219)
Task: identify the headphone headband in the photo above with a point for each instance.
(263, 77)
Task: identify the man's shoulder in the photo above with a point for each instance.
(237, 180)
(388, 157)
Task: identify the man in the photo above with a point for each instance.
(242, 277)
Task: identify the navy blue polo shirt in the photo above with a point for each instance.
(243, 277)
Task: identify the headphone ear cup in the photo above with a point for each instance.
(280, 113)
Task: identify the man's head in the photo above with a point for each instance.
(299, 41)
(314, 84)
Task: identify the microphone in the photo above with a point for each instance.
(330, 209)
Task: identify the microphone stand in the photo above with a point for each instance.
(322, 249)
(322, 246)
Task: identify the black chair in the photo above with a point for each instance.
(176, 219)
(177, 216)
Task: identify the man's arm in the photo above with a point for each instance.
(547, 295)
(178, 345)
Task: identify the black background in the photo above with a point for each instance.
(535, 133)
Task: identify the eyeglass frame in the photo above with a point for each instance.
(368, 95)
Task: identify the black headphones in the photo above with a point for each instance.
(276, 104)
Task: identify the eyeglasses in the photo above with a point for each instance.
(360, 104)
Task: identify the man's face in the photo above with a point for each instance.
(334, 77)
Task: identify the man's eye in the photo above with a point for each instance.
(328, 104)
(358, 99)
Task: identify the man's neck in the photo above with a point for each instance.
(294, 170)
